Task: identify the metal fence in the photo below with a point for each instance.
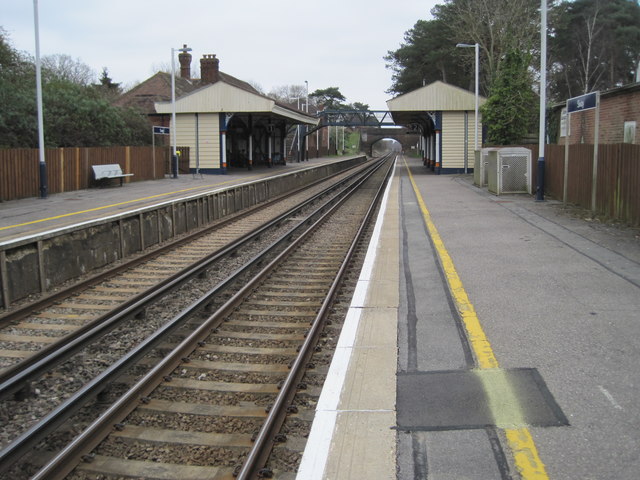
(618, 178)
(69, 169)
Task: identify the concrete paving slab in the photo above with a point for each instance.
(354, 456)
(353, 433)
(370, 382)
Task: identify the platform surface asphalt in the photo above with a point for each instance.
(30, 216)
(535, 376)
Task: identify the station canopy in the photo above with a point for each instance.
(222, 97)
(415, 107)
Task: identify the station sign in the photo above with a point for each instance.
(583, 102)
(161, 130)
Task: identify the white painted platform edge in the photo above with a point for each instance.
(316, 453)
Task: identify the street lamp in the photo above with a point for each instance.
(307, 99)
(43, 166)
(306, 138)
(174, 156)
(475, 129)
(543, 101)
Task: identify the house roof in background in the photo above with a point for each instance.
(157, 88)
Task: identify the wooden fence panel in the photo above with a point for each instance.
(19, 173)
(54, 159)
(69, 169)
(618, 185)
(618, 193)
(74, 173)
(142, 162)
(580, 175)
(608, 179)
(630, 184)
(554, 170)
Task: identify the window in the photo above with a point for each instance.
(564, 118)
(629, 132)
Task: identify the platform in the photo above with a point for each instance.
(30, 216)
(517, 343)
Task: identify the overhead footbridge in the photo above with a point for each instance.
(374, 126)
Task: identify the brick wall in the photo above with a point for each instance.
(614, 111)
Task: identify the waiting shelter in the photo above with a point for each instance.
(227, 123)
(444, 116)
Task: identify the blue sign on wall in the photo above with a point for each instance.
(583, 102)
(161, 130)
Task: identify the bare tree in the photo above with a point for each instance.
(499, 26)
(293, 95)
(64, 67)
(587, 46)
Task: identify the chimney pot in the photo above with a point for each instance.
(185, 63)
(209, 69)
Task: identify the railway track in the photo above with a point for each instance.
(48, 331)
(31, 327)
(250, 339)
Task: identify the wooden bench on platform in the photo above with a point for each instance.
(103, 173)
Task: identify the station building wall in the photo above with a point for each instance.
(616, 109)
(201, 133)
(453, 140)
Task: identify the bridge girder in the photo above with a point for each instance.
(353, 118)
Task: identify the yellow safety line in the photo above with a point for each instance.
(520, 441)
(480, 345)
(118, 204)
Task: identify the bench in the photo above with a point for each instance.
(103, 173)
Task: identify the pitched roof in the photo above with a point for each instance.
(236, 82)
(226, 97)
(157, 88)
(433, 97)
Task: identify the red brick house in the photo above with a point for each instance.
(157, 88)
(619, 119)
(153, 96)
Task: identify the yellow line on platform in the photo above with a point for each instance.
(116, 204)
(520, 441)
(479, 343)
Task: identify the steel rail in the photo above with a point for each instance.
(20, 446)
(66, 460)
(265, 440)
(17, 377)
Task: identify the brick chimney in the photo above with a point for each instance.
(209, 69)
(185, 64)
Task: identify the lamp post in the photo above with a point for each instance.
(475, 129)
(43, 166)
(307, 99)
(306, 138)
(543, 101)
(174, 155)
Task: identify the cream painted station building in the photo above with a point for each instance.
(227, 122)
(445, 117)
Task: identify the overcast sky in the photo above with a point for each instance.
(329, 43)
